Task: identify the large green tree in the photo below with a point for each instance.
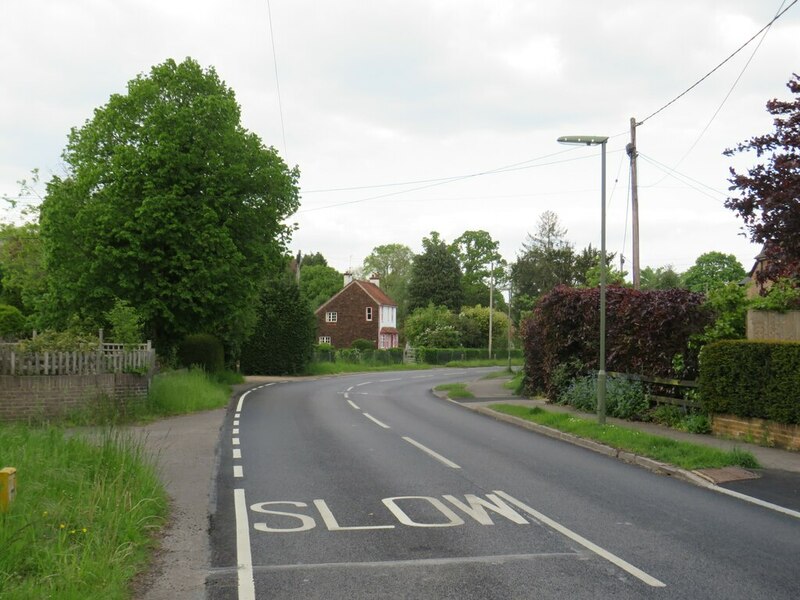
(769, 194)
(318, 283)
(660, 278)
(393, 263)
(481, 264)
(171, 205)
(711, 270)
(435, 276)
(22, 270)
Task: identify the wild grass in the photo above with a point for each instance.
(682, 454)
(85, 513)
(183, 392)
(455, 390)
(335, 368)
(516, 384)
(505, 373)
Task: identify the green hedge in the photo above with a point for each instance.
(752, 379)
(442, 356)
(203, 350)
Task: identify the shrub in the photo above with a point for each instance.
(12, 321)
(126, 323)
(60, 341)
(283, 340)
(751, 379)
(203, 350)
(624, 399)
(645, 330)
(362, 344)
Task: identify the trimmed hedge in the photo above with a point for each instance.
(644, 332)
(442, 356)
(752, 379)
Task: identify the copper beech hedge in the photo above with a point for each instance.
(644, 332)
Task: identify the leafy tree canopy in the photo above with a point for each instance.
(318, 283)
(170, 204)
(393, 262)
(547, 259)
(660, 278)
(433, 327)
(435, 276)
(22, 279)
(310, 260)
(474, 325)
(711, 270)
(769, 194)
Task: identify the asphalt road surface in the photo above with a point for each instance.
(368, 486)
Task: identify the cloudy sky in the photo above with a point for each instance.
(418, 115)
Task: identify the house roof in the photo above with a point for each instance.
(372, 290)
(376, 293)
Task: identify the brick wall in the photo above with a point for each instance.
(52, 396)
(351, 324)
(757, 431)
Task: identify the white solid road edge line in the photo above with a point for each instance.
(432, 453)
(374, 420)
(241, 398)
(244, 559)
(612, 558)
(756, 501)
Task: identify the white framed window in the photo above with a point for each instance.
(369, 313)
(324, 339)
(331, 317)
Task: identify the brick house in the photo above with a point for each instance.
(361, 310)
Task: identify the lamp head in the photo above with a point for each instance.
(583, 140)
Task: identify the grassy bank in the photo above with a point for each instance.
(82, 522)
(335, 368)
(681, 454)
(498, 362)
(455, 390)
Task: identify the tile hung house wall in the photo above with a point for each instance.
(361, 310)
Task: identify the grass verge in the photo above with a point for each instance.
(682, 454)
(455, 390)
(500, 374)
(500, 362)
(183, 392)
(83, 520)
(335, 368)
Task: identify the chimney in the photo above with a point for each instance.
(375, 279)
(348, 277)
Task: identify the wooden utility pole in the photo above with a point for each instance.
(632, 153)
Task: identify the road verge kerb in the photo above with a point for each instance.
(654, 466)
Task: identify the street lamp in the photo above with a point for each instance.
(595, 140)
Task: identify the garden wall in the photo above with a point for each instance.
(52, 396)
(757, 431)
(771, 325)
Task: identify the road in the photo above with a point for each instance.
(368, 486)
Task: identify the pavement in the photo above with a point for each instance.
(186, 451)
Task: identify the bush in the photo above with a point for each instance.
(624, 399)
(645, 329)
(203, 350)
(283, 340)
(751, 379)
(12, 321)
(60, 341)
(126, 323)
(362, 344)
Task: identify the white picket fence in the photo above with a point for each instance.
(108, 358)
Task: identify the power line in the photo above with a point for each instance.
(439, 182)
(712, 71)
(724, 100)
(277, 81)
(676, 175)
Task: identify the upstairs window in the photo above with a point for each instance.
(369, 313)
(331, 317)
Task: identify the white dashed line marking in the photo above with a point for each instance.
(237, 453)
(432, 453)
(353, 404)
(235, 441)
(238, 471)
(235, 431)
(374, 420)
(236, 422)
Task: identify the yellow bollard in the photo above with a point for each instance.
(8, 487)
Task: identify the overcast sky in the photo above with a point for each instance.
(387, 92)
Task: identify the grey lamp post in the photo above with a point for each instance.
(596, 140)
